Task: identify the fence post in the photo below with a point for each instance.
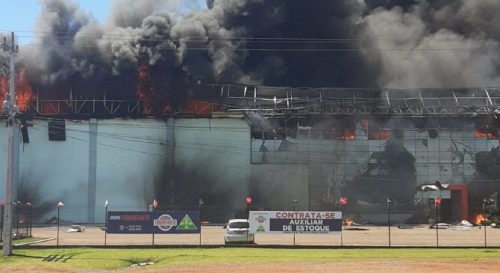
(1, 221)
(485, 226)
(200, 204)
(58, 214)
(17, 219)
(341, 226)
(389, 202)
(30, 217)
(294, 201)
(59, 206)
(436, 226)
(437, 203)
(105, 223)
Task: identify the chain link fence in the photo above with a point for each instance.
(22, 220)
(361, 228)
(351, 236)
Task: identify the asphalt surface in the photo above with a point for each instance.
(370, 236)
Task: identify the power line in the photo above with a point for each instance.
(222, 43)
(121, 35)
(291, 50)
(223, 146)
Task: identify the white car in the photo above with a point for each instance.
(76, 228)
(237, 231)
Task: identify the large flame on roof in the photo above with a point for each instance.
(145, 88)
(4, 87)
(24, 93)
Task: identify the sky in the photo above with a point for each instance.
(20, 16)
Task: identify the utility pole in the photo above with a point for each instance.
(13, 152)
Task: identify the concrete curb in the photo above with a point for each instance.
(35, 242)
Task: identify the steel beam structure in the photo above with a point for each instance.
(284, 101)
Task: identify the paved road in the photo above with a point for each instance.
(355, 236)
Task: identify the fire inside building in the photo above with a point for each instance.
(186, 106)
(275, 144)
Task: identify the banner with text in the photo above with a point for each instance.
(321, 222)
(144, 222)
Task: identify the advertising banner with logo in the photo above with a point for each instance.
(177, 222)
(318, 222)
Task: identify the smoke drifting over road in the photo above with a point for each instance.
(348, 43)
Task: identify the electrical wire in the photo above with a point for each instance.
(212, 42)
(312, 50)
(224, 148)
(134, 36)
(121, 34)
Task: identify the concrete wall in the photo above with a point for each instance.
(211, 155)
(128, 153)
(212, 159)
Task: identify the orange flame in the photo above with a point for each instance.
(485, 134)
(347, 135)
(348, 222)
(200, 108)
(24, 93)
(145, 89)
(380, 135)
(480, 218)
(4, 87)
(479, 134)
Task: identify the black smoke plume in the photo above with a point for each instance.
(370, 43)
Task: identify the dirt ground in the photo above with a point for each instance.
(354, 236)
(344, 267)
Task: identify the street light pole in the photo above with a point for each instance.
(12, 151)
(58, 223)
(341, 226)
(105, 221)
(437, 203)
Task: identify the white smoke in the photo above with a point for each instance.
(426, 47)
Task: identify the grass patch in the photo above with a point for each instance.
(89, 258)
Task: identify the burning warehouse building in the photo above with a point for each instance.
(275, 144)
(135, 109)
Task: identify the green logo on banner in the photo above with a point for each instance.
(186, 224)
(260, 228)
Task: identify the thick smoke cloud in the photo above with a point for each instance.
(370, 43)
(447, 44)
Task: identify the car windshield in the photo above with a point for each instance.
(239, 225)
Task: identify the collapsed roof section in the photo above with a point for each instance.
(348, 101)
(204, 100)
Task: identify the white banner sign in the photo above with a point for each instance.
(295, 221)
(446, 194)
